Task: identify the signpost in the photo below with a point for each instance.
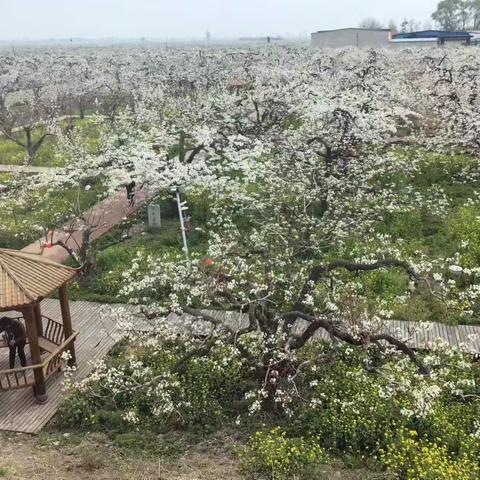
(182, 207)
(154, 216)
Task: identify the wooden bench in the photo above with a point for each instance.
(47, 345)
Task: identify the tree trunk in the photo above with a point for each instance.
(181, 147)
(29, 144)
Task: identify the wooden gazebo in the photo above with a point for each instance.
(25, 280)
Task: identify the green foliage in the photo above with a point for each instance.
(270, 454)
(113, 253)
(352, 416)
(353, 409)
(409, 458)
(421, 307)
(465, 227)
(13, 154)
(353, 403)
(448, 235)
(86, 130)
(200, 394)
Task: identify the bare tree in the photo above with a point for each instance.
(370, 23)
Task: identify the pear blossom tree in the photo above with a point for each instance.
(297, 161)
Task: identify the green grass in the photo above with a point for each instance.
(433, 234)
(113, 258)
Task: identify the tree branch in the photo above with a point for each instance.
(321, 271)
(362, 339)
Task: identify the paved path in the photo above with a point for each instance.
(106, 214)
(26, 169)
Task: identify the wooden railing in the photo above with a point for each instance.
(17, 378)
(23, 377)
(52, 330)
(54, 360)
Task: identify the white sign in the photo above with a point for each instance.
(154, 218)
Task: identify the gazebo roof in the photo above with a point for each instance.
(27, 278)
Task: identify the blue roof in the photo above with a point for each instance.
(434, 34)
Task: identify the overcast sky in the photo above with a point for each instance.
(42, 19)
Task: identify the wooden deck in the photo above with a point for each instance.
(418, 335)
(97, 334)
(18, 410)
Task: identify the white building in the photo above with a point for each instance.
(414, 42)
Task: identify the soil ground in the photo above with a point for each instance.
(43, 458)
(61, 456)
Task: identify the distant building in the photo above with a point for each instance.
(261, 39)
(351, 37)
(431, 38)
(475, 40)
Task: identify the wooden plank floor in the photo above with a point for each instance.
(418, 335)
(18, 410)
(97, 334)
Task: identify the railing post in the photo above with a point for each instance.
(39, 389)
(67, 322)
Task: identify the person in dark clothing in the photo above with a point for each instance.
(130, 192)
(16, 338)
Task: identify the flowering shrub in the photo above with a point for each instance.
(270, 454)
(409, 458)
(149, 388)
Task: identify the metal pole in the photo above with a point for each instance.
(182, 225)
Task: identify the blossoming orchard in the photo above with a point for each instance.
(333, 214)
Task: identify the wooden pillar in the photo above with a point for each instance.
(39, 389)
(67, 321)
(38, 319)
